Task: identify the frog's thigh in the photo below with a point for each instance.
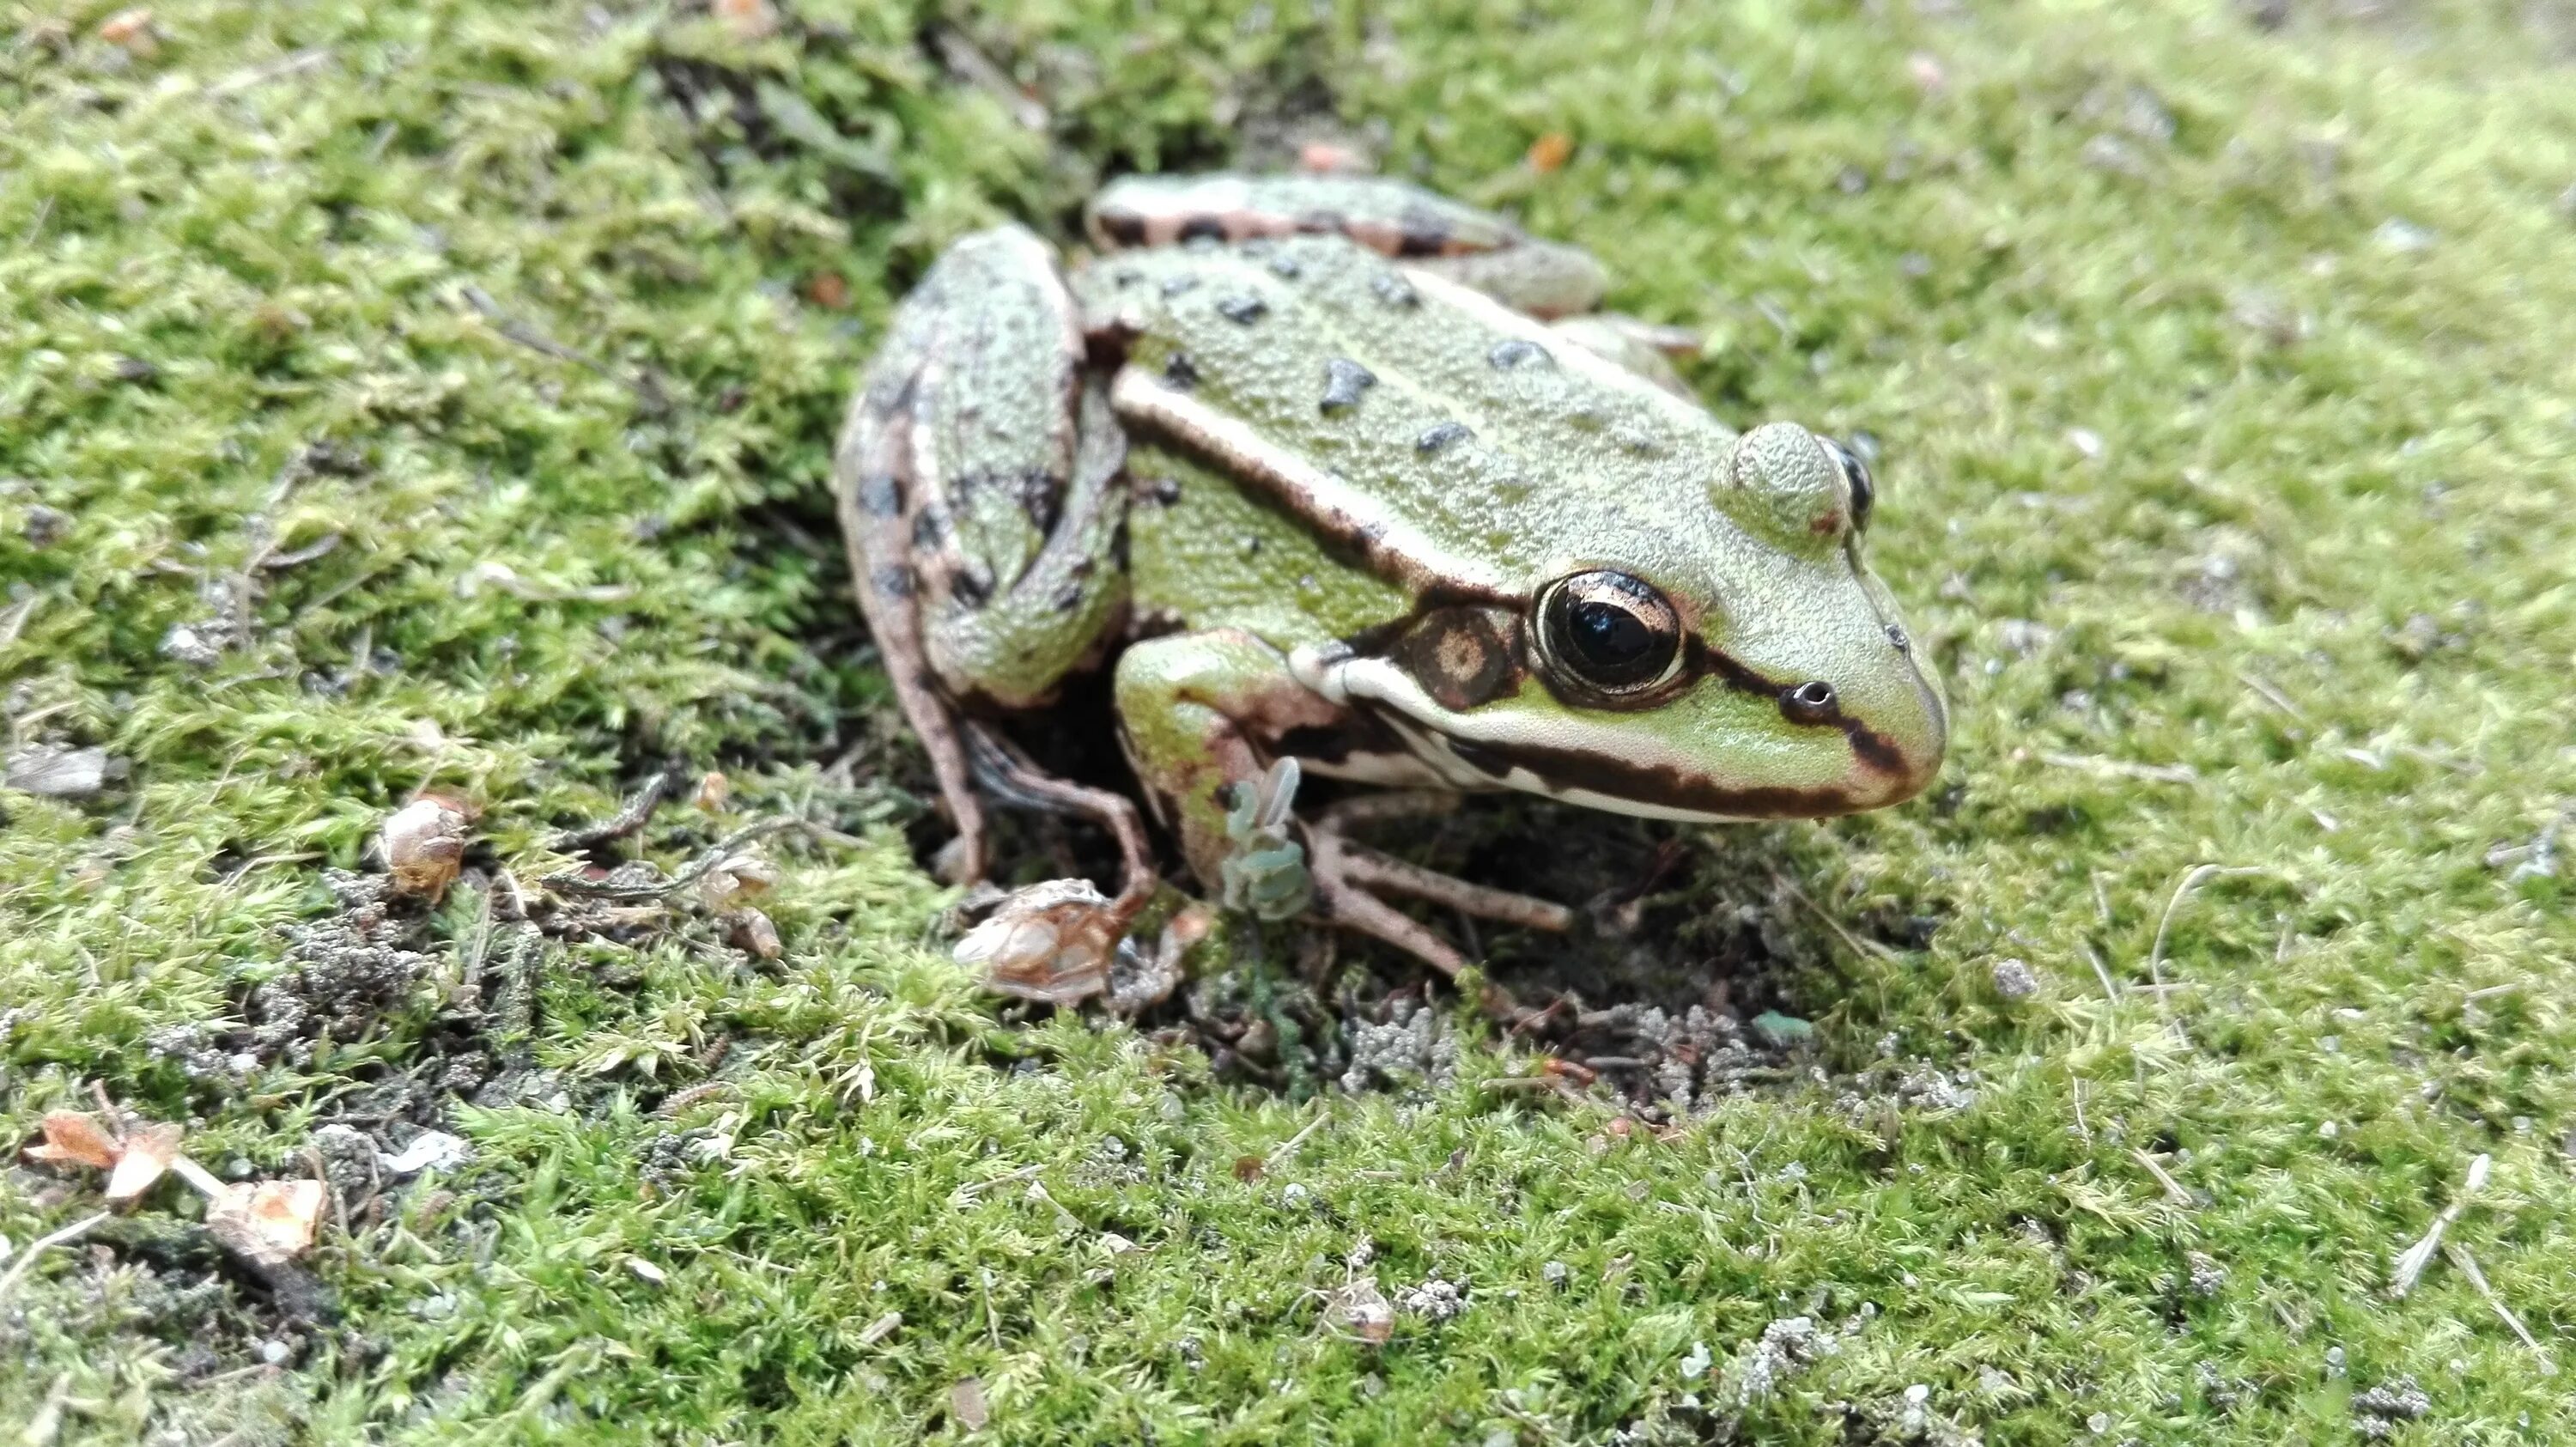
(1199, 712)
(1005, 504)
(889, 466)
(1013, 621)
(1642, 347)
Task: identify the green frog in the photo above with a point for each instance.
(1339, 477)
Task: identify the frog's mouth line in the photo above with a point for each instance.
(1612, 782)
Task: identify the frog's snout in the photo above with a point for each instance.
(1899, 734)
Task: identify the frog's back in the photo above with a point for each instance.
(1446, 424)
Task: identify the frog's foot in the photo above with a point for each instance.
(1013, 778)
(1640, 346)
(1349, 877)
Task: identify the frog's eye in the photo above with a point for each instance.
(1864, 493)
(1608, 633)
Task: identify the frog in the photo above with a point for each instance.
(1339, 478)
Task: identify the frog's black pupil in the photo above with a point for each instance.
(1864, 492)
(1609, 636)
(1609, 633)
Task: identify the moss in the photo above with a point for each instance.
(2220, 380)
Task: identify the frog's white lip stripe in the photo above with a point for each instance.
(1393, 547)
(1338, 674)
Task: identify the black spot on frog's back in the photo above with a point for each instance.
(878, 495)
(1344, 382)
(1441, 436)
(1394, 290)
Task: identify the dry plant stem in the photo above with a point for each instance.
(1867, 948)
(526, 335)
(38, 1247)
(630, 817)
(1282, 1151)
(2468, 1265)
(2191, 880)
(2411, 1262)
(2174, 1191)
(700, 868)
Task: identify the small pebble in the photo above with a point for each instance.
(2014, 980)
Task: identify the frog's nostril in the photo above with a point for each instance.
(1811, 702)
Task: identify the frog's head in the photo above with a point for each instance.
(1745, 665)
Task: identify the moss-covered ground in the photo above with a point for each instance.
(440, 396)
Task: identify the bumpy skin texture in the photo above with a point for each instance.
(1349, 484)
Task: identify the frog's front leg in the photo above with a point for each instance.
(1203, 717)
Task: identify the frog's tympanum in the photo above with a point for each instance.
(1337, 477)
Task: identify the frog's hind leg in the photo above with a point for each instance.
(1013, 778)
(979, 488)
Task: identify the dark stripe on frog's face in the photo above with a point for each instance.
(1874, 749)
(1466, 654)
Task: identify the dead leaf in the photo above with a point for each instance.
(966, 1404)
(74, 1139)
(1049, 942)
(269, 1224)
(131, 29)
(143, 1156)
(1361, 1310)
(713, 788)
(757, 933)
(738, 880)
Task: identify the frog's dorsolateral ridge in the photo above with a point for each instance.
(1299, 459)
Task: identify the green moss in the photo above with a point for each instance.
(2222, 383)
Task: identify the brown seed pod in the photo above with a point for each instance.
(423, 844)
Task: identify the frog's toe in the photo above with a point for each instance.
(1349, 879)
